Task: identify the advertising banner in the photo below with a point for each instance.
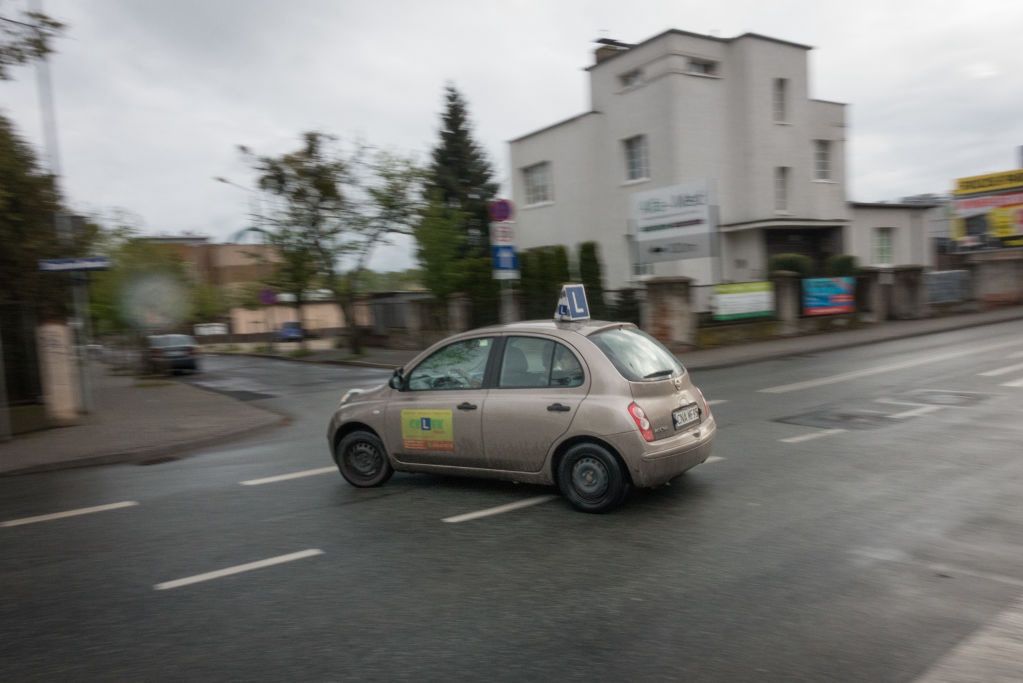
(741, 300)
(829, 295)
(673, 223)
(988, 210)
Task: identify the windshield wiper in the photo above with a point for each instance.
(659, 373)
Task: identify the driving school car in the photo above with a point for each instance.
(591, 407)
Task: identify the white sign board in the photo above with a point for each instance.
(502, 234)
(673, 223)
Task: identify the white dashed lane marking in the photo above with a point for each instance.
(68, 513)
(713, 458)
(717, 401)
(289, 475)
(997, 372)
(1016, 383)
(237, 569)
(882, 369)
(812, 435)
(488, 512)
(922, 410)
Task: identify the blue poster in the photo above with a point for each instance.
(829, 295)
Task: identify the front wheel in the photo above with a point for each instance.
(592, 479)
(362, 459)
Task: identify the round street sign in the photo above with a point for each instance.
(500, 210)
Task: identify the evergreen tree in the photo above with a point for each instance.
(591, 277)
(460, 173)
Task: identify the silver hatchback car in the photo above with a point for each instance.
(590, 407)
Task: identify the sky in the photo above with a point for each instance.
(153, 97)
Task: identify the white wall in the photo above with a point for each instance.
(910, 240)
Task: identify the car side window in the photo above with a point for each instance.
(526, 363)
(531, 362)
(566, 370)
(461, 365)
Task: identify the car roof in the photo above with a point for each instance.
(555, 327)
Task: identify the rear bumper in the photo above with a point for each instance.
(653, 464)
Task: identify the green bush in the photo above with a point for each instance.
(841, 265)
(592, 278)
(797, 263)
(483, 290)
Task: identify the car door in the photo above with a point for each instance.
(436, 418)
(539, 385)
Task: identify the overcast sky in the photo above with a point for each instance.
(153, 96)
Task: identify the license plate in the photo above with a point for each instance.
(686, 415)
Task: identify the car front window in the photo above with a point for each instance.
(461, 365)
(636, 355)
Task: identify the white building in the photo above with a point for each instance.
(683, 108)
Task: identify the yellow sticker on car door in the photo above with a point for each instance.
(427, 430)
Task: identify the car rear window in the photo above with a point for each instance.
(636, 355)
(173, 340)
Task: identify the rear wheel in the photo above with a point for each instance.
(362, 459)
(591, 478)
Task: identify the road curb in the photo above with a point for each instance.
(154, 454)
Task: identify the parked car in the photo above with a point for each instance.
(172, 352)
(290, 331)
(591, 407)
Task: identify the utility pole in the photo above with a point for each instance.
(62, 222)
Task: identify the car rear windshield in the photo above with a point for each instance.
(173, 340)
(636, 355)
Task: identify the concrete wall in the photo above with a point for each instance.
(315, 316)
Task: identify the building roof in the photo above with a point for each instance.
(553, 125)
(679, 32)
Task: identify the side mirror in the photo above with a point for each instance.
(397, 381)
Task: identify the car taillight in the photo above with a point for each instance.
(639, 417)
(703, 402)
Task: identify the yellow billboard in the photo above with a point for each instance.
(990, 182)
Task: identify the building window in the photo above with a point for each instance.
(704, 67)
(781, 96)
(883, 246)
(637, 163)
(537, 179)
(631, 78)
(781, 188)
(822, 159)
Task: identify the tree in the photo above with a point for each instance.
(591, 277)
(440, 238)
(25, 39)
(460, 173)
(334, 208)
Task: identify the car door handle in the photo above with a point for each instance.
(558, 408)
(466, 406)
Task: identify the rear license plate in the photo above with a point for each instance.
(686, 416)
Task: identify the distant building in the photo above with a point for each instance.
(227, 265)
(682, 116)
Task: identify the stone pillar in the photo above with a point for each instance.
(787, 300)
(667, 312)
(875, 299)
(59, 373)
(458, 313)
(909, 299)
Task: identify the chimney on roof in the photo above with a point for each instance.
(607, 48)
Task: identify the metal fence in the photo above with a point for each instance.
(947, 286)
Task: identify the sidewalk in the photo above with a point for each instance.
(727, 356)
(136, 421)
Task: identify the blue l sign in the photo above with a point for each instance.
(572, 303)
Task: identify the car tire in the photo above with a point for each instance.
(362, 459)
(592, 478)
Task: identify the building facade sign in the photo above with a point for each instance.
(673, 223)
(988, 210)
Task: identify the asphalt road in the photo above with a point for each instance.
(861, 521)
